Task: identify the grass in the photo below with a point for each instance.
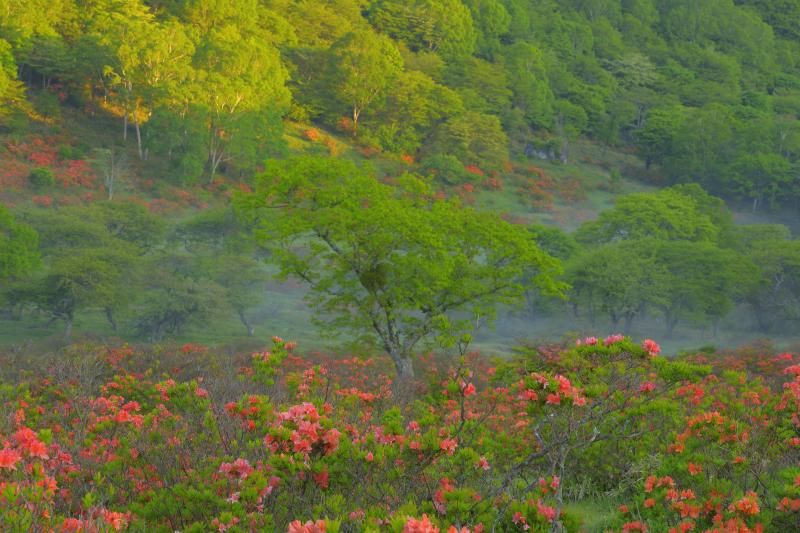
(597, 515)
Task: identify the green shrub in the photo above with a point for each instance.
(41, 178)
(446, 168)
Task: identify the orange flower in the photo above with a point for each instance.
(9, 458)
(420, 526)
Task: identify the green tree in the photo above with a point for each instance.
(123, 28)
(668, 214)
(443, 26)
(411, 109)
(528, 80)
(556, 243)
(656, 138)
(775, 297)
(393, 264)
(242, 95)
(570, 121)
(19, 247)
(10, 87)
(98, 278)
(492, 23)
(474, 138)
(364, 65)
(763, 178)
(176, 295)
(243, 280)
(621, 280)
(702, 282)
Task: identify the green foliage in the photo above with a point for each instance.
(363, 67)
(669, 214)
(41, 178)
(474, 138)
(394, 263)
(19, 247)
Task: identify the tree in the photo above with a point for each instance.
(702, 282)
(570, 121)
(669, 214)
(621, 280)
(113, 166)
(214, 230)
(10, 87)
(775, 297)
(129, 222)
(656, 138)
(474, 138)
(528, 80)
(83, 279)
(175, 296)
(19, 247)
(443, 26)
(364, 65)
(411, 109)
(492, 21)
(124, 28)
(391, 263)
(762, 177)
(242, 278)
(556, 243)
(242, 95)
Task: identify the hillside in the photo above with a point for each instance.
(542, 112)
(441, 203)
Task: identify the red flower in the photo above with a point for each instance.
(9, 458)
(651, 347)
(469, 390)
(308, 527)
(647, 386)
(420, 526)
(449, 445)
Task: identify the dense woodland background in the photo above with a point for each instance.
(127, 125)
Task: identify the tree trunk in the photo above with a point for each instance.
(405, 368)
(671, 323)
(125, 123)
(626, 329)
(67, 328)
(250, 329)
(110, 316)
(356, 114)
(138, 132)
(564, 155)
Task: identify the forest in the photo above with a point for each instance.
(443, 204)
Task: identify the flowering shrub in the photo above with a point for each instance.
(309, 442)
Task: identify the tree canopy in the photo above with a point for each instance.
(393, 263)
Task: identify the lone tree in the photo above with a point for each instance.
(19, 247)
(390, 262)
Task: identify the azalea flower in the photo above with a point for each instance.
(308, 527)
(9, 458)
(420, 526)
(651, 347)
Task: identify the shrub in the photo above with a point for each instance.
(447, 169)
(41, 178)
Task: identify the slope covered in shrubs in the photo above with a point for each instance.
(104, 439)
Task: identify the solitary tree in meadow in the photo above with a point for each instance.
(394, 263)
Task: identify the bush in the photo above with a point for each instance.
(47, 105)
(41, 178)
(447, 169)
